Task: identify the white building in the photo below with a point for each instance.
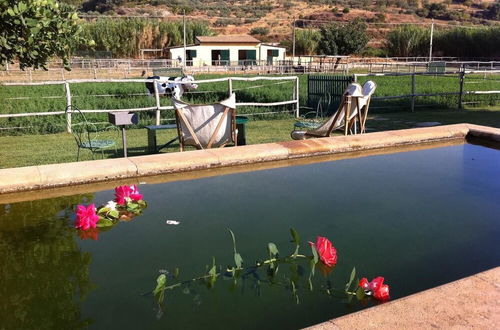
(227, 50)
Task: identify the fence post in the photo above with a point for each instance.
(297, 114)
(157, 98)
(68, 107)
(460, 96)
(413, 91)
(230, 86)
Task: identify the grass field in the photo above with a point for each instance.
(29, 150)
(25, 99)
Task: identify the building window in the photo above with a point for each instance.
(247, 56)
(220, 57)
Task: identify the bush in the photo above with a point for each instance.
(408, 40)
(263, 31)
(346, 10)
(463, 42)
(493, 11)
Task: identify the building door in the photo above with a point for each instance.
(190, 54)
(271, 54)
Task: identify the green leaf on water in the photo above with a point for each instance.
(103, 210)
(161, 282)
(114, 214)
(315, 254)
(104, 223)
(351, 279)
(272, 248)
(360, 293)
(295, 236)
(234, 240)
(213, 269)
(238, 260)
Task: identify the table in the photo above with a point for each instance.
(152, 145)
(241, 121)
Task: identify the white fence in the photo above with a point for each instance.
(158, 106)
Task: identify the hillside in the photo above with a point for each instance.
(240, 16)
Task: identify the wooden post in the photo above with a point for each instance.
(68, 107)
(157, 98)
(297, 114)
(230, 86)
(460, 96)
(413, 92)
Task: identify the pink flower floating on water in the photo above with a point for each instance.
(124, 192)
(376, 287)
(86, 217)
(326, 252)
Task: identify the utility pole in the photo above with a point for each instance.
(430, 46)
(184, 37)
(293, 42)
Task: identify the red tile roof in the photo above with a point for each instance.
(229, 39)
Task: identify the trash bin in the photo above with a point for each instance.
(241, 121)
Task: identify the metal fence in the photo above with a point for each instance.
(444, 89)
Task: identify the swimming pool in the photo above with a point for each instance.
(419, 218)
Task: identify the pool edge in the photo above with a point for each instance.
(59, 175)
(470, 302)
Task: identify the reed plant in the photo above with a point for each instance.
(126, 37)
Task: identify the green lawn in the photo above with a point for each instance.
(26, 150)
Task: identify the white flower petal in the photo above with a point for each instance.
(172, 222)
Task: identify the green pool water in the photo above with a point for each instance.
(420, 219)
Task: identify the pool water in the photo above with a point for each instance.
(420, 219)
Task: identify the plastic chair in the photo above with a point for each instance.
(86, 134)
(206, 126)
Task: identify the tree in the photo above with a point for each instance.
(32, 31)
(343, 39)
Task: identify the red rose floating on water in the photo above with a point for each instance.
(376, 287)
(327, 253)
(122, 193)
(86, 217)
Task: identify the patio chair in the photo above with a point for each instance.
(206, 126)
(355, 97)
(86, 134)
(313, 119)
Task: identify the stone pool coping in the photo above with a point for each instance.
(69, 174)
(469, 303)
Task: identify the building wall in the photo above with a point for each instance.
(204, 52)
(265, 48)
